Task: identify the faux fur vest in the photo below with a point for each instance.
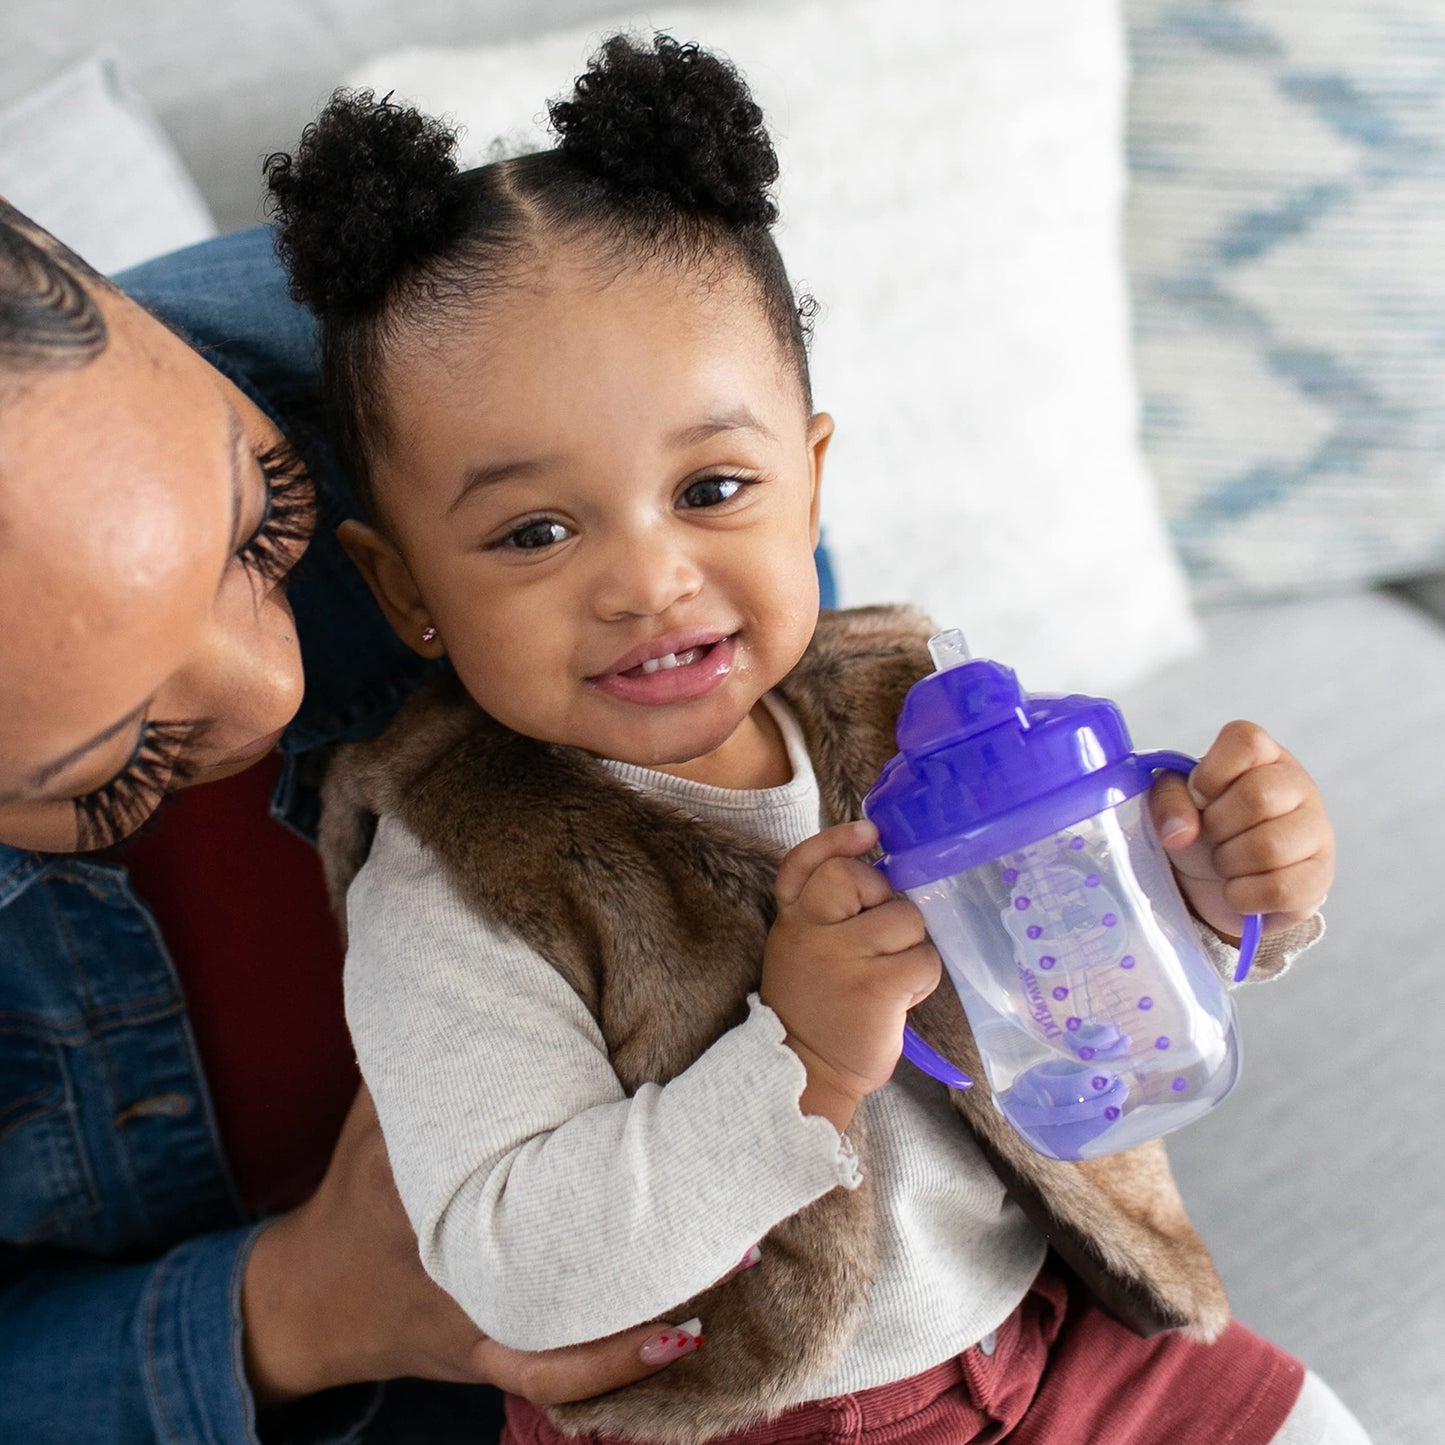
(658, 922)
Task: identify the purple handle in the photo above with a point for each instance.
(1166, 761)
(925, 1056)
(932, 1062)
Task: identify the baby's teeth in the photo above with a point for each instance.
(654, 663)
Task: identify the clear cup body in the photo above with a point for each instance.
(1100, 1021)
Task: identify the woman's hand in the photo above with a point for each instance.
(334, 1293)
(1248, 833)
(843, 964)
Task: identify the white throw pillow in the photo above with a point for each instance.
(951, 188)
(86, 159)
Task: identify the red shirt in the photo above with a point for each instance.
(241, 903)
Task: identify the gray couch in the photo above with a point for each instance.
(1318, 1186)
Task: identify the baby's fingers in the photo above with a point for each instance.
(892, 927)
(1286, 895)
(1240, 748)
(917, 969)
(1269, 847)
(1274, 790)
(832, 845)
(1175, 818)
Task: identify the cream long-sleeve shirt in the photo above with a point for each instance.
(555, 1209)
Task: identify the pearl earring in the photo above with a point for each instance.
(429, 634)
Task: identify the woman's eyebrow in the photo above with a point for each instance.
(42, 776)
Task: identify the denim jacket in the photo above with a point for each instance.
(122, 1239)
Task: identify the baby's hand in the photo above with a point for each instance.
(1247, 834)
(844, 963)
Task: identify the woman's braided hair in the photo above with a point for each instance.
(48, 319)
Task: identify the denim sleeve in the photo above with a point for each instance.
(151, 1352)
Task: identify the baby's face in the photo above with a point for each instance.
(605, 490)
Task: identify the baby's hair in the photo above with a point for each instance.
(661, 156)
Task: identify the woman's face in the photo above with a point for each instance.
(147, 523)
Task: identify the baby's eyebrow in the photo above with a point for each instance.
(479, 478)
(740, 419)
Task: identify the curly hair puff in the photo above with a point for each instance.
(368, 195)
(672, 122)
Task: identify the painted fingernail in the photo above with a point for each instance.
(672, 1343)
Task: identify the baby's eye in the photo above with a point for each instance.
(538, 533)
(712, 491)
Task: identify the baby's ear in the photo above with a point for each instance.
(820, 433)
(391, 584)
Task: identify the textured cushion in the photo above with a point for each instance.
(1319, 1184)
(950, 194)
(1286, 226)
(87, 160)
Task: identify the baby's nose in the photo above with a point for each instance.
(644, 575)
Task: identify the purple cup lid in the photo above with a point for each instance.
(985, 768)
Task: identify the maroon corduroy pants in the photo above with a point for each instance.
(1061, 1372)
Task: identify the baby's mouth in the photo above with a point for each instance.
(670, 661)
(686, 673)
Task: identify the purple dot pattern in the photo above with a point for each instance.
(1021, 904)
(1047, 961)
(1109, 920)
(1076, 844)
(1092, 881)
(1111, 1113)
(1061, 993)
(1100, 1082)
(1146, 1003)
(1162, 1042)
(1010, 876)
(1034, 931)
(1073, 1025)
(1086, 1053)
(1179, 1085)
(1127, 961)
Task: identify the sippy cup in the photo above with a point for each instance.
(1018, 822)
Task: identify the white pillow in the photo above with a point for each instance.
(951, 191)
(85, 158)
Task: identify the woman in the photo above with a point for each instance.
(154, 1108)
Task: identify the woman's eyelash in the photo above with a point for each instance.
(119, 807)
(288, 520)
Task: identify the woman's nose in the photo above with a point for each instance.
(247, 677)
(644, 574)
